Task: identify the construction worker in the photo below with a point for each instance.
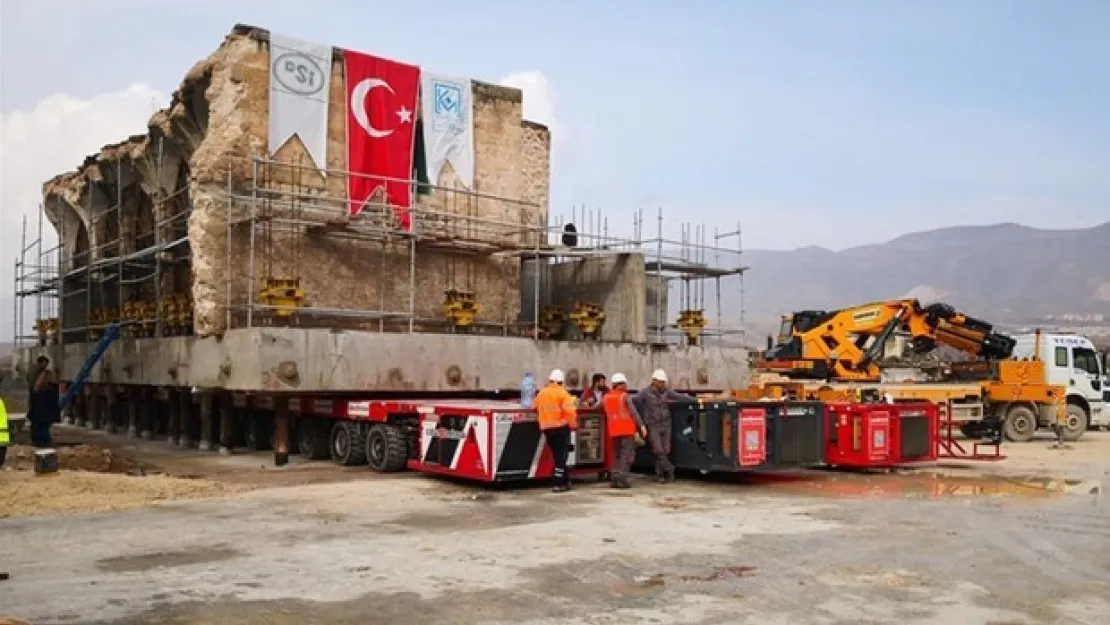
(558, 417)
(652, 402)
(623, 422)
(5, 432)
(592, 396)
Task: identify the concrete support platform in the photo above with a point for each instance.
(321, 360)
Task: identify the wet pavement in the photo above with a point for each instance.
(1006, 543)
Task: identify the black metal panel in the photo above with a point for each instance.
(795, 434)
(915, 437)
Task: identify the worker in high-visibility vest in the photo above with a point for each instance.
(5, 432)
(558, 417)
(622, 423)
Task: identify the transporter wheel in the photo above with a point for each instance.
(1076, 423)
(313, 437)
(348, 443)
(386, 448)
(1020, 425)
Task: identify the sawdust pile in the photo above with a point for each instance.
(79, 458)
(11, 620)
(91, 479)
(74, 492)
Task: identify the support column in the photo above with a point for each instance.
(134, 406)
(110, 399)
(79, 414)
(205, 443)
(96, 407)
(173, 429)
(281, 430)
(185, 405)
(146, 413)
(227, 423)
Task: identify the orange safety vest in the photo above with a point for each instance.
(555, 408)
(617, 416)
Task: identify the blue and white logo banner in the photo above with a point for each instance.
(448, 126)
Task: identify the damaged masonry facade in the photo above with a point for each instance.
(232, 264)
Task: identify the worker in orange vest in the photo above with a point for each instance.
(622, 422)
(558, 417)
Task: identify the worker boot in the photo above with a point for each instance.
(620, 482)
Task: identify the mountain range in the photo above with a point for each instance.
(1004, 273)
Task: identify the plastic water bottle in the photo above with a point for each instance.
(527, 391)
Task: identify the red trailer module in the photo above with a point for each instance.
(481, 440)
(881, 435)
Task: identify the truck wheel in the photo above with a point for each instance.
(348, 443)
(386, 448)
(313, 438)
(1076, 423)
(1020, 425)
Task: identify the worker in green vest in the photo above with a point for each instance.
(5, 433)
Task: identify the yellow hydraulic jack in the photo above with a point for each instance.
(692, 323)
(47, 330)
(589, 317)
(283, 295)
(460, 308)
(552, 321)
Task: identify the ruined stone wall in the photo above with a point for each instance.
(206, 143)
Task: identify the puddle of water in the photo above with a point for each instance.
(924, 485)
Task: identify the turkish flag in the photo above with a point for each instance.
(381, 129)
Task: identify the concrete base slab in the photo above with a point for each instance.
(204, 446)
(224, 451)
(146, 435)
(322, 360)
(132, 433)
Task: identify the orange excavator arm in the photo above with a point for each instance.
(845, 345)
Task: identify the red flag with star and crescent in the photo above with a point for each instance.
(381, 130)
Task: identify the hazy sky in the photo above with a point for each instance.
(811, 122)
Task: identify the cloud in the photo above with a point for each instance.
(52, 137)
(539, 100)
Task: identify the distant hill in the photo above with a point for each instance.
(1005, 273)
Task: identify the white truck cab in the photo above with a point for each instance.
(1073, 362)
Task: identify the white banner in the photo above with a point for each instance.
(448, 126)
(300, 80)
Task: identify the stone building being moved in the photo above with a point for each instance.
(236, 269)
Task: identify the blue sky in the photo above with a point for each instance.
(812, 123)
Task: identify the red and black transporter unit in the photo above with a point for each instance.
(494, 441)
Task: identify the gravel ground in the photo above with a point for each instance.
(1026, 540)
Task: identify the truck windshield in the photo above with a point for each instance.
(1086, 360)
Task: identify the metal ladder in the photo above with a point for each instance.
(110, 335)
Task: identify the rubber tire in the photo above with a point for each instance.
(314, 438)
(348, 444)
(387, 449)
(1081, 420)
(1016, 417)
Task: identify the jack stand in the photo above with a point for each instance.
(1059, 444)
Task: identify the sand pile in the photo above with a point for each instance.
(25, 494)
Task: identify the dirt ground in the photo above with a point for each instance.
(1023, 540)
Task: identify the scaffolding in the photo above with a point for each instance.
(288, 220)
(115, 270)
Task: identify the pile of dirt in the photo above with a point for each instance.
(26, 494)
(91, 458)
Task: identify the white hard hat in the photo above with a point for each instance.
(618, 378)
(556, 376)
(659, 374)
